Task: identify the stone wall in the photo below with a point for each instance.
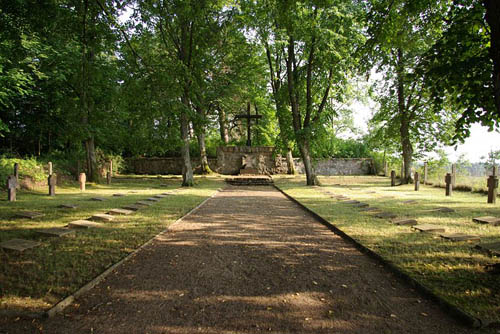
(231, 158)
(154, 166)
(354, 166)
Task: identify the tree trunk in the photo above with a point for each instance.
(404, 128)
(290, 163)
(493, 20)
(205, 168)
(187, 170)
(92, 173)
(306, 158)
(224, 134)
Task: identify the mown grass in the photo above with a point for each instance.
(453, 270)
(40, 277)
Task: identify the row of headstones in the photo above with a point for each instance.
(492, 183)
(93, 221)
(13, 181)
(492, 248)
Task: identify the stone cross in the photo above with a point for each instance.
(417, 181)
(11, 188)
(249, 118)
(393, 178)
(108, 177)
(52, 180)
(16, 171)
(425, 172)
(449, 186)
(453, 175)
(82, 179)
(50, 168)
(493, 186)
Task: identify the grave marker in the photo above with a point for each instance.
(369, 209)
(443, 209)
(119, 212)
(449, 185)
(19, 245)
(52, 181)
(459, 237)
(393, 178)
(102, 217)
(405, 222)
(428, 228)
(84, 224)
(98, 199)
(425, 172)
(492, 248)
(50, 168)
(160, 196)
(152, 199)
(55, 232)
(132, 207)
(386, 215)
(144, 203)
(118, 195)
(108, 177)
(493, 186)
(417, 181)
(487, 220)
(82, 179)
(29, 214)
(11, 188)
(67, 206)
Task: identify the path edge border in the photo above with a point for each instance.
(62, 304)
(449, 308)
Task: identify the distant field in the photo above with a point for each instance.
(453, 270)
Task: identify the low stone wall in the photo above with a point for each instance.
(340, 166)
(231, 158)
(153, 166)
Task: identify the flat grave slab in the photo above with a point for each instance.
(370, 209)
(98, 199)
(386, 215)
(67, 206)
(132, 207)
(492, 248)
(19, 245)
(443, 209)
(410, 201)
(160, 196)
(361, 205)
(144, 203)
(102, 217)
(405, 222)
(487, 220)
(350, 202)
(29, 214)
(152, 199)
(55, 232)
(429, 228)
(118, 212)
(119, 195)
(169, 193)
(84, 224)
(341, 199)
(459, 237)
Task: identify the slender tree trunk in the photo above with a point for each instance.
(224, 133)
(92, 173)
(187, 170)
(404, 128)
(306, 158)
(205, 168)
(290, 163)
(493, 20)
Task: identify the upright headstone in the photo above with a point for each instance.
(393, 178)
(11, 188)
(16, 171)
(425, 172)
(385, 168)
(417, 181)
(108, 177)
(82, 179)
(493, 186)
(449, 185)
(52, 180)
(50, 168)
(453, 175)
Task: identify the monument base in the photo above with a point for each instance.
(245, 160)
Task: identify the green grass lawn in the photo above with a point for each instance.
(452, 270)
(40, 277)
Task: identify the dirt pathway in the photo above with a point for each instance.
(251, 261)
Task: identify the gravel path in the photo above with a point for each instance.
(249, 261)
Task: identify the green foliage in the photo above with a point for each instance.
(492, 159)
(28, 167)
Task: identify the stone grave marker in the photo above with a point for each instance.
(350, 202)
(29, 214)
(19, 245)
(410, 201)
(410, 222)
(429, 228)
(118, 212)
(50, 168)
(389, 215)
(361, 205)
(417, 181)
(102, 217)
(132, 207)
(370, 209)
(449, 184)
(67, 206)
(152, 199)
(11, 188)
(98, 199)
(160, 196)
(108, 177)
(487, 220)
(167, 194)
(491, 248)
(82, 178)
(493, 186)
(84, 224)
(55, 232)
(393, 178)
(52, 181)
(118, 195)
(144, 203)
(443, 209)
(459, 237)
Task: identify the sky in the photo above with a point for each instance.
(478, 145)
